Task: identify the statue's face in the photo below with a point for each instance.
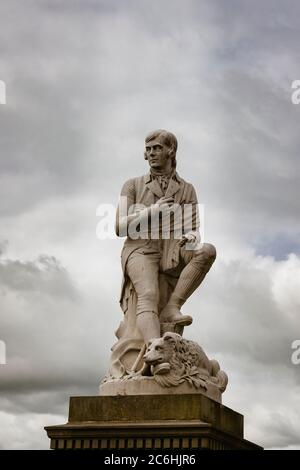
(157, 154)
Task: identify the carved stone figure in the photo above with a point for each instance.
(163, 259)
(161, 390)
(174, 360)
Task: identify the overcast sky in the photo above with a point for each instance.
(86, 80)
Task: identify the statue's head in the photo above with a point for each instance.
(163, 142)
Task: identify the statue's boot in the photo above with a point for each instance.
(172, 314)
(189, 279)
(149, 326)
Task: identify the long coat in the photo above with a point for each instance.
(145, 190)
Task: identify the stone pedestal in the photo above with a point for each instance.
(148, 386)
(184, 421)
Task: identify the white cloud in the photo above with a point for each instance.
(47, 325)
(86, 81)
(23, 432)
(286, 288)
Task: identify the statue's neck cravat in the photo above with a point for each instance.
(163, 180)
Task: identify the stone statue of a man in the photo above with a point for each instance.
(161, 269)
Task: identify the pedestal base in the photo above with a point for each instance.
(148, 386)
(149, 422)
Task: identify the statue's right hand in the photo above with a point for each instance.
(169, 201)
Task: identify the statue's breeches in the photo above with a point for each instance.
(143, 270)
(143, 267)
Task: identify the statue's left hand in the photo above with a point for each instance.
(189, 237)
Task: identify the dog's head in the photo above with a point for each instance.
(161, 350)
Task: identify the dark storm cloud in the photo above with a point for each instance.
(44, 326)
(44, 275)
(86, 80)
(81, 85)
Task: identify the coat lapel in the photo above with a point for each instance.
(172, 188)
(153, 186)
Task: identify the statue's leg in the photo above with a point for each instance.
(197, 264)
(143, 272)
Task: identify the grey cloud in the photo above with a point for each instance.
(3, 246)
(286, 430)
(43, 275)
(279, 246)
(263, 328)
(53, 400)
(47, 324)
(86, 80)
(73, 110)
(18, 431)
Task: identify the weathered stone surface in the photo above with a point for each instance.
(172, 365)
(149, 386)
(163, 259)
(137, 408)
(154, 422)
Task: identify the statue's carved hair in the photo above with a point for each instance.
(169, 140)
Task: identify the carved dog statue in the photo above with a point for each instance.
(174, 360)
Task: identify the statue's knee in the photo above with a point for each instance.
(149, 295)
(147, 301)
(210, 252)
(205, 256)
